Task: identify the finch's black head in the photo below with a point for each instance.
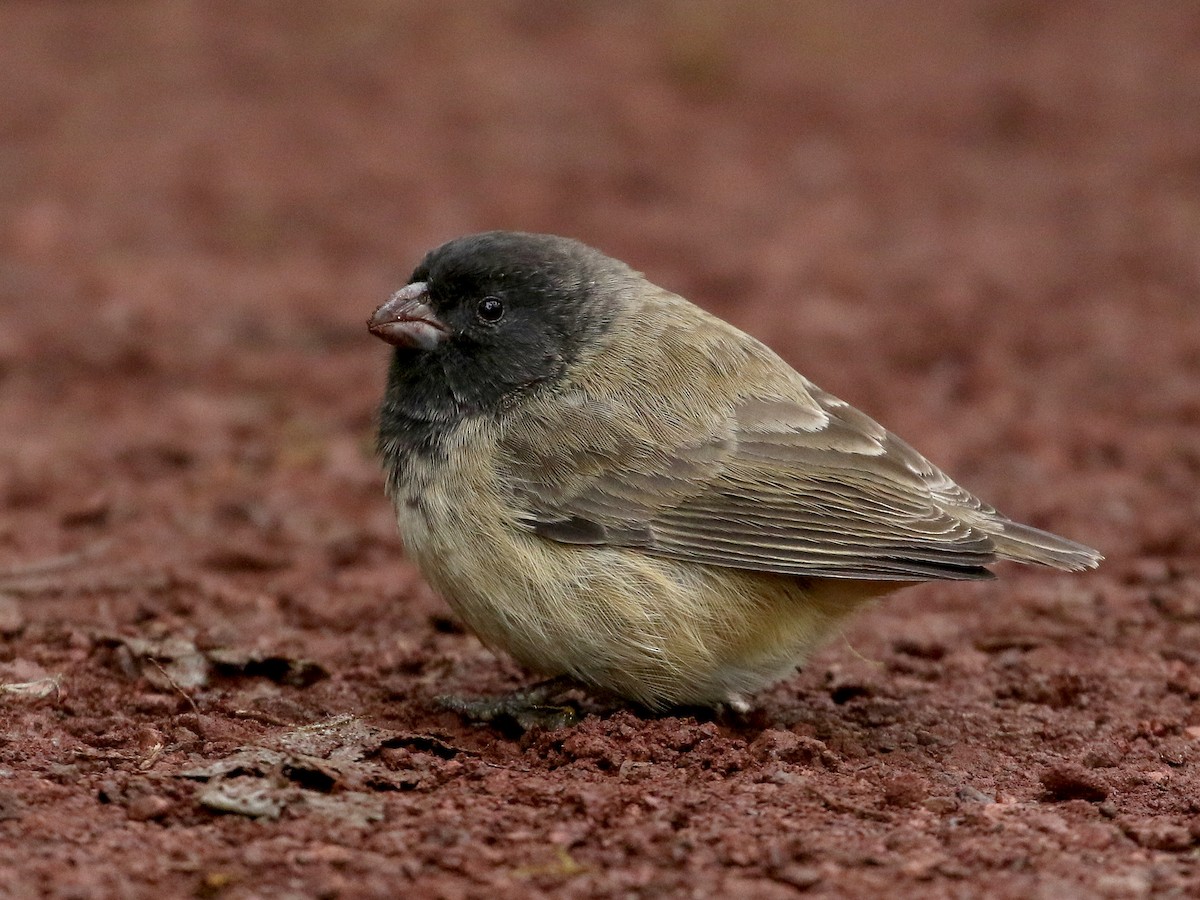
(488, 316)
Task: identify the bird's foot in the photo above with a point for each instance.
(736, 703)
(537, 706)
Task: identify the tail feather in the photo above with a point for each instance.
(1024, 543)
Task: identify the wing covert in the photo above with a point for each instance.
(807, 487)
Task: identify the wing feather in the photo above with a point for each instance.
(717, 452)
(810, 488)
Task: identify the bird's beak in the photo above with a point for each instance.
(407, 319)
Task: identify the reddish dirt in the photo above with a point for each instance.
(979, 222)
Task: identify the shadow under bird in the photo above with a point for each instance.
(613, 485)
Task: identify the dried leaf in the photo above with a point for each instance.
(244, 797)
(38, 689)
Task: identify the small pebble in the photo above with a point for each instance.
(148, 807)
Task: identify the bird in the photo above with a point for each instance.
(620, 489)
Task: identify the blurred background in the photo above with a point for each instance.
(978, 221)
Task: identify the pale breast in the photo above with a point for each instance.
(653, 630)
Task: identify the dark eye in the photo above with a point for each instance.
(490, 309)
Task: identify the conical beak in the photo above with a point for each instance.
(407, 319)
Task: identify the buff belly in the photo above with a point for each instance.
(652, 630)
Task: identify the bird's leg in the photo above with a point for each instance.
(522, 709)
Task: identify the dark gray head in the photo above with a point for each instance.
(484, 318)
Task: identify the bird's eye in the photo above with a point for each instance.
(490, 309)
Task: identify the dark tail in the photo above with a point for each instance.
(1024, 543)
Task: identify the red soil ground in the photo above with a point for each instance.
(980, 222)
